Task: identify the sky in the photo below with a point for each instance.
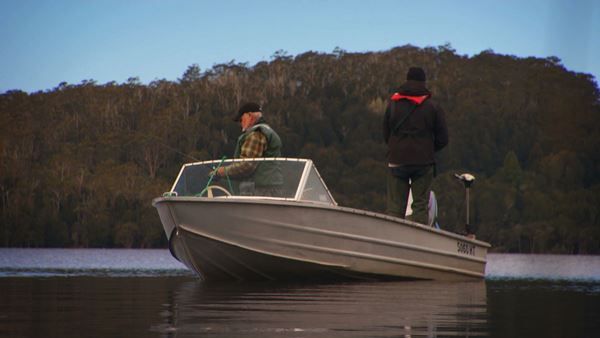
(46, 42)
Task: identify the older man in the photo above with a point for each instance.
(257, 140)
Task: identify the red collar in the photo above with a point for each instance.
(416, 99)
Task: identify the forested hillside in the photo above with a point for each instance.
(81, 163)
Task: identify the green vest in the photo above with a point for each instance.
(267, 173)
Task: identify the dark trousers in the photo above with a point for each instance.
(398, 186)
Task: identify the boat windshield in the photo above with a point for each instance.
(274, 178)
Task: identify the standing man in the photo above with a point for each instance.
(414, 128)
(258, 139)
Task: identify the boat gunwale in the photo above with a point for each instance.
(316, 205)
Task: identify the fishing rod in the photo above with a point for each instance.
(213, 174)
(160, 142)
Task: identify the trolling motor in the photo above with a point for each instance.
(467, 179)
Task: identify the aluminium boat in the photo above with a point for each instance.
(230, 229)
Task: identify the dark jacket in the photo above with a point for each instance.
(422, 132)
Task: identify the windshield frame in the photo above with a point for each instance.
(308, 165)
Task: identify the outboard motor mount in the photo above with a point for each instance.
(467, 180)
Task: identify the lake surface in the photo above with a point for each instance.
(147, 293)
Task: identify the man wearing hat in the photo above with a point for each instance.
(258, 139)
(414, 128)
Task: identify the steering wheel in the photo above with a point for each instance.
(209, 191)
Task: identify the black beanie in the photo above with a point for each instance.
(416, 74)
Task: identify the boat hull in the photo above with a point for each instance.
(250, 239)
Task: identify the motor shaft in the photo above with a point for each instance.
(467, 180)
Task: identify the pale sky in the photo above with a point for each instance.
(46, 42)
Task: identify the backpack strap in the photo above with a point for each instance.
(403, 119)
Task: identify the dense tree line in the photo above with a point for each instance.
(80, 164)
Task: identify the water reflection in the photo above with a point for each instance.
(139, 293)
(185, 307)
(389, 309)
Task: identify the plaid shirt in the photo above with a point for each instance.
(254, 146)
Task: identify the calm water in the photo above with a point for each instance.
(146, 293)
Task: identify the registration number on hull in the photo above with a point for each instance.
(465, 248)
